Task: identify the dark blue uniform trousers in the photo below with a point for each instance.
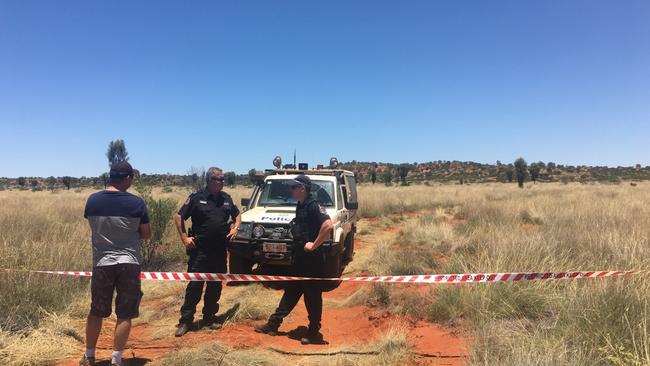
(307, 265)
(206, 261)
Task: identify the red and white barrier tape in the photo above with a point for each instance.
(432, 278)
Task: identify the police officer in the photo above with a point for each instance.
(312, 227)
(215, 220)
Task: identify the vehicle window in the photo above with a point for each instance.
(350, 189)
(323, 191)
(276, 193)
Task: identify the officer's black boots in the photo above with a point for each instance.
(182, 329)
(312, 337)
(266, 328)
(211, 324)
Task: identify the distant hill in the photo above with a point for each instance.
(472, 172)
(433, 171)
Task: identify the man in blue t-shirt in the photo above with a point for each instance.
(118, 221)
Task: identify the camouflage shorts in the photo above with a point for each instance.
(121, 278)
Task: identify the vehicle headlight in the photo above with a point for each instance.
(258, 231)
(244, 230)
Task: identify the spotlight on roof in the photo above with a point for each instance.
(277, 162)
(334, 162)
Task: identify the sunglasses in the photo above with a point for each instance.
(218, 179)
(295, 187)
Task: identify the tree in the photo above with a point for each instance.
(116, 152)
(67, 181)
(373, 176)
(387, 177)
(252, 174)
(550, 167)
(358, 176)
(403, 171)
(521, 168)
(51, 183)
(231, 179)
(34, 183)
(105, 179)
(498, 168)
(22, 181)
(510, 173)
(198, 178)
(160, 212)
(534, 171)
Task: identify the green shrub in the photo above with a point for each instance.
(161, 211)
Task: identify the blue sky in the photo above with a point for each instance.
(234, 83)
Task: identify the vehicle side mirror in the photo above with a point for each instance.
(352, 205)
(245, 202)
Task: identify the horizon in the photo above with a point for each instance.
(311, 166)
(233, 85)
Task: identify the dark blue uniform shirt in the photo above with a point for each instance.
(211, 215)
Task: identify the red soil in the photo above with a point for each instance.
(352, 327)
(529, 228)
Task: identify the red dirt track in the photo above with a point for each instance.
(351, 327)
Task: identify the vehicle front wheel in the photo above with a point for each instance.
(348, 254)
(268, 269)
(239, 264)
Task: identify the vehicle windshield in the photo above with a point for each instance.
(276, 192)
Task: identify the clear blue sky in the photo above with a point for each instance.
(233, 83)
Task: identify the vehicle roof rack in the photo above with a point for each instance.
(307, 172)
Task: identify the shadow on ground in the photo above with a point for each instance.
(129, 361)
(229, 314)
(299, 332)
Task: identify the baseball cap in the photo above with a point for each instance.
(301, 180)
(121, 169)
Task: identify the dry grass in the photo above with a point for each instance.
(238, 304)
(218, 354)
(40, 230)
(492, 228)
(56, 339)
(499, 228)
(45, 230)
(379, 200)
(252, 302)
(392, 349)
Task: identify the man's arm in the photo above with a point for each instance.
(325, 233)
(145, 231)
(234, 228)
(145, 228)
(180, 227)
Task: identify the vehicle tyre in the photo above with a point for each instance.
(348, 254)
(239, 264)
(333, 268)
(267, 269)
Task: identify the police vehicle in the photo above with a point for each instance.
(265, 236)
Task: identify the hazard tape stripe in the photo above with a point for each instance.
(428, 278)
